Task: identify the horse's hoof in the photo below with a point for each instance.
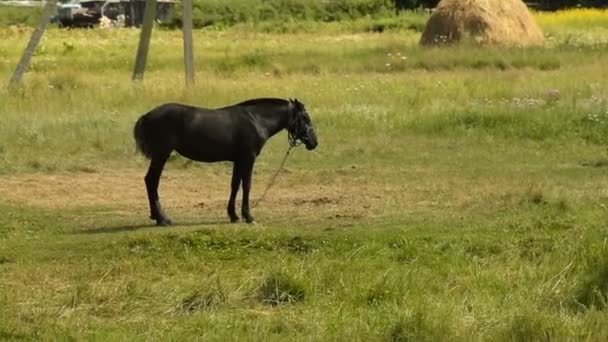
(234, 219)
(250, 220)
(164, 223)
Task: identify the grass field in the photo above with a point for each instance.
(456, 194)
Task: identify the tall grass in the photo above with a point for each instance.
(384, 83)
(10, 15)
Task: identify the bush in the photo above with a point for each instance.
(411, 4)
(223, 13)
(227, 13)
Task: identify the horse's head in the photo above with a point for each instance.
(300, 126)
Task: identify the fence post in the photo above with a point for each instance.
(24, 62)
(144, 40)
(188, 45)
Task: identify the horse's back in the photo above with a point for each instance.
(169, 112)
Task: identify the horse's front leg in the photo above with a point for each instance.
(246, 174)
(234, 189)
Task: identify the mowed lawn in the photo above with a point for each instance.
(456, 194)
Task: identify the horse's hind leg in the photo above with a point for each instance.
(246, 171)
(234, 189)
(152, 181)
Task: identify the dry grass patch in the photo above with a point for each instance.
(297, 194)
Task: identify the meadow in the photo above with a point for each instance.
(457, 193)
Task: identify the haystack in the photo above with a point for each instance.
(483, 21)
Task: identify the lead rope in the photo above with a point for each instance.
(292, 143)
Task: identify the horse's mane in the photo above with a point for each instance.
(262, 100)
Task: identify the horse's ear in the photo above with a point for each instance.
(291, 105)
(291, 113)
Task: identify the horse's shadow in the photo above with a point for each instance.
(149, 226)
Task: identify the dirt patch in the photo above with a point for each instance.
(108, 188)
(316, 201)
(299, 195)
(188, 191)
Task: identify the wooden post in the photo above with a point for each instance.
(188, 45)
(144, 40)
(24, 62)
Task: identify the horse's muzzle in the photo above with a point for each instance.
(310, 141)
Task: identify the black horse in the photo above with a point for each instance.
(235, 133)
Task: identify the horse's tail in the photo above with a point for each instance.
(139, 133)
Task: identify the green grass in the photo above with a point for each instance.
(516, 274)
(456, 194)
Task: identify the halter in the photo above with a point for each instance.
(291, 127)
(293, 142)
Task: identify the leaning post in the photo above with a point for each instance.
(188, 45)
(26, 57)
(144, 40)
